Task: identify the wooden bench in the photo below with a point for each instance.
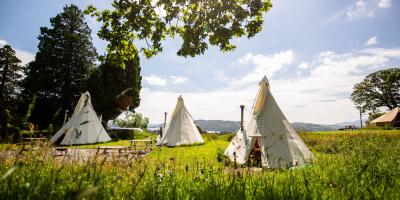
(63, 151)
(107, 149)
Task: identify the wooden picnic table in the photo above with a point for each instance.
(105, 149)
(146, 147)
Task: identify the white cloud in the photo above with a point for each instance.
(155, 80)
(22, 55)
(384, 3)
(3, 42)
(220, 76)
(326, 54)
(322, 96)
(359, 10)
(371, 41)
(393, 53)
(303, 65)
(178, 79)
(264, 65)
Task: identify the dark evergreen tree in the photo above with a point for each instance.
(115, 89)
(10, 75)
(62, 66)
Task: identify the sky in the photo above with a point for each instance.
(313, 52)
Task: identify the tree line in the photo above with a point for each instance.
(64, 67)
(67, 64)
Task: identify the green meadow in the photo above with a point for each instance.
(348, 165)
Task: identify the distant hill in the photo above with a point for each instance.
(356, 123)
(154, 125)
(218, 125)
(225, 126)
(310, 127)
(232, 126)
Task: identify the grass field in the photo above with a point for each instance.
(348, 165)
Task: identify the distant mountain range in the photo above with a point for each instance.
(218, 125)
(310, 127)
(225, 126)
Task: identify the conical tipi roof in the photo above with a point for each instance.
(180, 129)
(269, 131)
(84, 127)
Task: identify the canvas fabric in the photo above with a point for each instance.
(181, 128)
(280, 145)
(387, 118)
(84, 127)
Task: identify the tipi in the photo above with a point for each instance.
(84, 127)
(181, 128)
(268, 136)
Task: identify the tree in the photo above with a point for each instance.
(194, 21)
(132, 120)
(199, 23)
(10, 75)
(378, 89)
(62, 66)
(115, 89)
(374, 114)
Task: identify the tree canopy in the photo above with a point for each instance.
(10, 75)
(197, 22)
(378, 89)
(62, 66)
(132, 120)
(115, 89)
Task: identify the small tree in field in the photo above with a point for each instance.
(10, 74)
(133, 120)
(378, 89)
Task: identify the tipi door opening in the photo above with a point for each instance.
(255, 155)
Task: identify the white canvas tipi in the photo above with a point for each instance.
(181, 128)
(84, 127)
(268, 135)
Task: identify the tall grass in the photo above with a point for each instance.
(348, 166)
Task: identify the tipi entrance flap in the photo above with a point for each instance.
(240, 147)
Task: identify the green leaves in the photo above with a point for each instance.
(10, 76)
(133, 120)
(198, 22)
(378, 89)
(115, 89)
(61, 68)
(134, 27)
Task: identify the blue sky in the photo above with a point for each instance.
(312, 51)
